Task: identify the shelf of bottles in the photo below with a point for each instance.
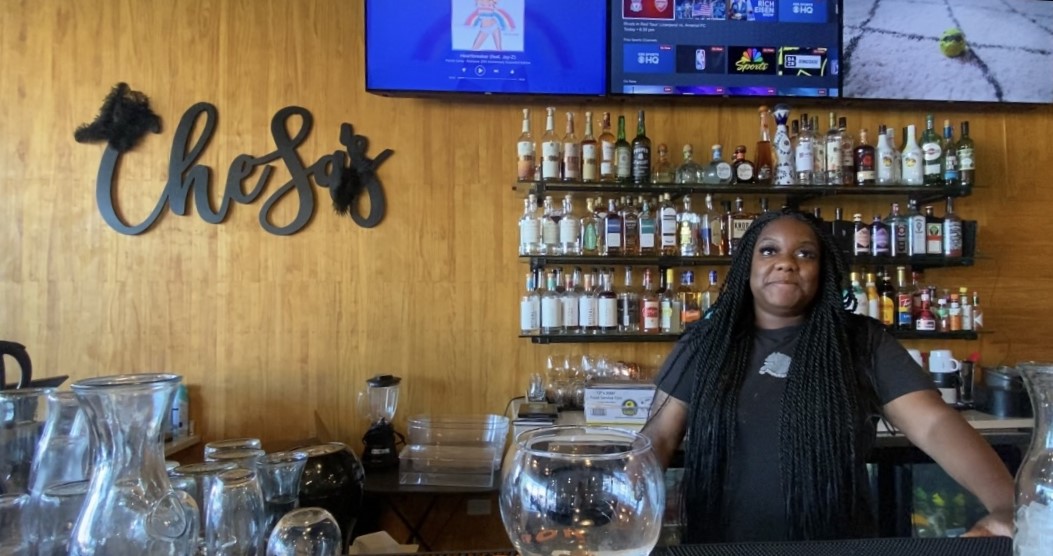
(914, 261)
(639, 337)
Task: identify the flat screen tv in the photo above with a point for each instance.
(725, 47)
(556, 47)
(954, 50)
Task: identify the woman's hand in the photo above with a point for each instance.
(995, 524)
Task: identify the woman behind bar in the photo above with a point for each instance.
(781, 388)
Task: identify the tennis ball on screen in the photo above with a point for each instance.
(952, 42)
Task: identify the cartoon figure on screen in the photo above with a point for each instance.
(742, 10)
(490, 20)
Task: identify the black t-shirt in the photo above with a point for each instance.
(754, 502)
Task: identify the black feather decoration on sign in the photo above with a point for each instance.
(123, 120)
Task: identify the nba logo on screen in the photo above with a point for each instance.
(700, 59)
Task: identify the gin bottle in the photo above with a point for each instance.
(570, 301)
(551, 307)
(550, 148)
(587, 307)
(612, 239)
(917, 229)
(629, 305)
(650, 306)
(689, 171)
(529, 228)
(530, 308)
(550, 228)
(899, 233)
(719, 171)
(525, 150)
(784, 172)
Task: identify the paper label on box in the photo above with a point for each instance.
(617, 405)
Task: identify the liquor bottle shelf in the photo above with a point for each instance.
(916, 261)
(638, 337)
(795, 194)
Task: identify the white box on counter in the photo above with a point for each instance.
(618, 403)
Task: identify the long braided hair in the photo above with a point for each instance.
(825, 402)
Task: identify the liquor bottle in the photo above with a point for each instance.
(612, 238)
(926, 321)
(795, 130)
(648, 229)
(716, 218)
(530, 308)
(709, 297)
(966, 158)
(848, 176)
(898, 233)
(629, 305)
(687, 237)
(887, 294)
(571, 305)
(591, 230)
(859, 294)
(689, 171)
(967, 308)
(650, 307)
(641, 148)
(897, 156)
(952, 231)
(551, 307)
(571, 152)
(590, 155)
(886, 175)
(843, 231)
(669, 304)
(918, 230)
(607, 157)
(933, 233)
(978, 313)
(569, 228)
(804, 155)
(725, 230)
(550, 228)
(764, 164)
(550, 148)
(718, 171)
(912, 165)
(784, 171)
(630, 228)
(873, 298)
(932, 153)
(588, 309)
(904, 301)
(623, 155)
(863, 162)
(879, 238)
(525, 149)
(819, 154)
(607, 306)
(861, 233)
(529, 228)
(690, 300)
(950, 157)
(663, 169)
(954, 313)
(833, 154)
(916, 279)
(668, 226)
(743, 170)
(943, 315)
(706, 218)
(738, 222)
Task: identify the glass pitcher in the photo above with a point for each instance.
(131, 507)
(1034, 481)
(23, 414)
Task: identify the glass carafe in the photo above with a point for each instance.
(1034, 480)
(23, 414)
(131, 507)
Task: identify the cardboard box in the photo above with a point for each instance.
(618, 403)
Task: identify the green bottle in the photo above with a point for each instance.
(932, 154)
(623, 155)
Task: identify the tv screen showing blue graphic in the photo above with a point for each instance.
(725, 47)
(487, 46)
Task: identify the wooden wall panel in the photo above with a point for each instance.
(277, 334)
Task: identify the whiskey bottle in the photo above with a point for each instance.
(718, 171)
(623, 155)
(690, 300)
(966, 158)
(952, 231)
(744, 171)
(913, 162)
(865, 174)
(525, 149)
(933, 233)
(590, 153)
(650, 307)
(932, 154)
(689, 171)
(663, 169)
(725, 230)
(530, 308)
(834, 171)
(764, 164)
(648, 229)
(641, 149)
(950, 157)
(571, 152)
(630, 228)
(550, 148)
(629, 305)
(738, 222)
(784, 159)
(848, 176)
(612, 239)
(607, 157)
(668, 226)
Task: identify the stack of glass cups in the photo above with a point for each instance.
(279, 475)
(234, 525)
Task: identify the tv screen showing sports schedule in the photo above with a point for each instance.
(725, 47)
(487, 46)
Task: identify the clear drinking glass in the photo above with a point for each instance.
(235, 515)
(1033, 522)
(247, 457)
(279, 475)
(14, 541)
(305, 532)
(232, 444)
(201, 477)
(55, 515)
(23, 414)
(603, 485)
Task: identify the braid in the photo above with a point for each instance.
(825, 399)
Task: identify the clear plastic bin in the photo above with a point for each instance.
(442, 465)
(461, 430)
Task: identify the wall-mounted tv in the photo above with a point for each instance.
(556, 47)
(949, 50)
(725, 47)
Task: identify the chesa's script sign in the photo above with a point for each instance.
(347, 173)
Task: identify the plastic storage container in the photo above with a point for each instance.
(462, 430)
(442, 465)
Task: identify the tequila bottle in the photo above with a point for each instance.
(932, 154)
(569, 229)
(663, 169)
(623, 155)
(525, 149)
(550, 148)
(530, 308)
(913, 164)
(590, 153)
(529, 228)
(571, 152)
(689, 171)
(641, 149)
(607, 157)
(764, 164)
(966, 158)
(667, 223)
(718, 171)
(743, 170)
(804, 155)
(784, 159)
(950, 157)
